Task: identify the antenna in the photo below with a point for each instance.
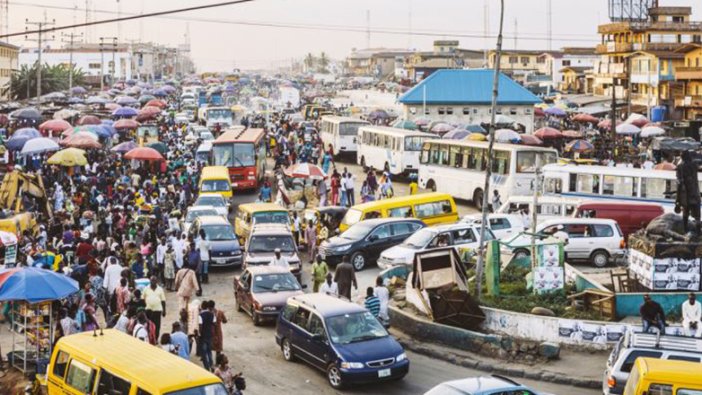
(548, 26)
(4, 18)
(368, 41)
(516, 34)
(409, 24)
(486, 31)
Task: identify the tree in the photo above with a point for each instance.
(323, 63)
(53, 78)
(310, 62)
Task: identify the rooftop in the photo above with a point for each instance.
(467, 87)
(8, 45)
(670, 11)
(327, 305)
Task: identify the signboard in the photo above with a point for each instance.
(548, 275)
(11, 255)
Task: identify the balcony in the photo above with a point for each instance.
(609, 70)
(612, 47)
(688, 73)
(648, 26)
(691, 101)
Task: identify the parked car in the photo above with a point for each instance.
(630, 216)
(261, 291)
(590, 239)
(340, 338)
(364, 241)
(486, 385)
(461, 235)
(635, 345)
(214, 201)
(263, 241)
(548, 207)
(206, 136)
(502, 225)
(193, 213)
(224, 247)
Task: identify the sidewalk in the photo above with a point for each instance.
(579, 369)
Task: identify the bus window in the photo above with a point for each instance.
(80, 376)
(60, 364)
(527, 160)
(424, 159)
(112, 385)
(553, 185)
(618, 186)
(435, 154)
(657, 188)
(400, 212)
(444, 154)
(587, 183)
(413, 143)
(455, 157)
(500, 164)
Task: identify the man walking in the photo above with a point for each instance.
(186, 285)
(205, 333)
(344, 277)
(155, 300)
(319, 273)
(180, 340)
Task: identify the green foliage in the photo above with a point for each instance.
(53, 78)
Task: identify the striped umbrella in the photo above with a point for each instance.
(580, 146)
(305, 170)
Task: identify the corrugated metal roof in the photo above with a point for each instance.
(467, 87)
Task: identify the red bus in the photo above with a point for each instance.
(243, 152)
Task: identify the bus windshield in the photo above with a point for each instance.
(414, 143)
(349, 129)
(527, 160)
(219, 114)
(215, 186)
(234, 155)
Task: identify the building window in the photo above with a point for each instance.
(514, 59)
(525, 60)
(466, 111)
(498, 110)
(566, 63)
(449, 110)
(427, 111)
(94, 66)
(527, 111)
(413, 110)
(440, 111)
(475, 111)
(541, 60)
(513, 111)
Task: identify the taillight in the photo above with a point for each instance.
(611, 382)
(622, 243)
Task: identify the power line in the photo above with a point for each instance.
(128, 18)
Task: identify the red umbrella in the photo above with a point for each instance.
(156, 103)
(548, 133)
(529, 139)
(89, 120)
(572, 134)
(150, 110)
(641, 122)
(79, 140)
(585, 118)
(112, 106)
(539, 112)
(145, 154)
(54, 125)
(305, 170)
(125, 124)
(607, 124)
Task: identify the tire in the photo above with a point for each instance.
(334, 376)
(256, 318)
(599, 258)
(478, 199)
(521, 253)
(358, 260)
(431, 185)
(287, 350)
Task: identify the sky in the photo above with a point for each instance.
(270, 33)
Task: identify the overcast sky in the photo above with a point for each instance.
(219, 41)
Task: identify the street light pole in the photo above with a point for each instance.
(71, 38)
(40, 28)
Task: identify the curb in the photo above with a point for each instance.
(540, 375)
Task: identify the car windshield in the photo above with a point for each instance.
(354, 327)
(275, 283)
(214, 201)
(419, 239)
(193, 214)
(356, 232)
(206, 136)
(270, 243)
(272, 217)
(352, 216)
(215, 186)
(209, 389)
(219, 232)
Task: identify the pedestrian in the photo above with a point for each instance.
(160, 259)
(166, 344)
(383, 294)
(155, 300)
(349, 181)
(205, 334)
(296, 228)
(311, 239)
(413, 186)
(203, 246)
(218, 339)
(322, 193)
(652, 315)
(224, 372)
(335, 183)
(691, 315)
(496, 200)
(111, 280)
(279, 260)
(186, 286)
(320, 270)
(141, 329)
(372, 303)
(345, 277)
(122, 295)
(169, 267)
(180, 340)
(329, 287)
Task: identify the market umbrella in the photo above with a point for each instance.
(89, 120)
(125, 124)
(378, 114)
(78, 90)
(652, 131)
(124, 147)
(126, 100)
(607, 124)
(34, 285)
(96, 100)
(539, 112)
(585, 118)
(628, 129)
(112, 106)
(75, 100)
(149, 116)
(441, 128)
(17, 141)
(555, 111)
(475, 128)
(160, 93)
(145, 154)
(68, 157)
(170, 89)
(573, 134)
(422, 121)
(548, 133)
(502, 120)
(150, 110)
(530, 139)
(456, 134)
(405, 124)
(305, 170)
(664, 166)
(66, 113)
(476, 137)
(27, 114)
(143, 99)
(156, 103)
(507, 136)
(39, 145)
(54, 96)
(54, 125)
(125, 112)
(159, 146)
(580, 146)
(84, 140)
(98, 130)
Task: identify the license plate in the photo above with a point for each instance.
(384, 373)
(221, 260)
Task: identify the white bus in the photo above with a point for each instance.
(341, 133)
(458, 167)
(391, 149)
(612, 183)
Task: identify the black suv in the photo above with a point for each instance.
(364, 241)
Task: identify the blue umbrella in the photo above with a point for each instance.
(160, 93)
(131, 82)
(168, 88)
(75, 100)
(78, 90)
(16, 143)
(99, 130)
(107, 122)
(126, 100)
(34, 285)
(555, 111)
(96, 100)
(125, 112)
(109, 128)
(456, 134)
(475, 128)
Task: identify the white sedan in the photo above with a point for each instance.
(501, 225)
(214, 201)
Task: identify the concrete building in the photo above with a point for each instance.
(687, 95)
(577, 59)
(445, 55)
(9, 62)
(373, 62)
(527, 66)
(465, 96)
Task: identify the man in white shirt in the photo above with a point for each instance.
(692, 314)
(329, 287)
(161, 254)
(279, 260)
(383, 295)
(348, 182)
(203, 245)
(113, 273)
(647, 165)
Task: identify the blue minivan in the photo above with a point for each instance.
(340, 338)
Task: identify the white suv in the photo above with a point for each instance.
(460, 235)
(590, 239)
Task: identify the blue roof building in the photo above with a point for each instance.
(465, 96)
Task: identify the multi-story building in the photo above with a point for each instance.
(573, 61)
(688, 95)
(445, 55)
(526, 65)
(373, 62)
(8, 64)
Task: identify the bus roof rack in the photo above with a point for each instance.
(666, 342)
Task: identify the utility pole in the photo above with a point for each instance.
(613, 111)
(486, 32)
(102, 60)
(516, 34)
(40, 28)
(71, 39)
(548, 26)
(368, 42)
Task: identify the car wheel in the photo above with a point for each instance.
(520, 254)
(431, 185)
(287, 351)
(256, 318)
(334, 376)
(478, 199)
(358, 260)
(599, 258)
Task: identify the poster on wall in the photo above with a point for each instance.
(665, 273)
(585, 332)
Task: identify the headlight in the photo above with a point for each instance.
(342, 248)
(351, 365)
(401, 357)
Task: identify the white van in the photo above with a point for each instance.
(548, 207)
(501, 225)
(202, 154)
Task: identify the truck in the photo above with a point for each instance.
(288, 97)
(211, 116)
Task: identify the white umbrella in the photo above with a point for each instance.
(507, 136)
(39, 145)
(65, 114)
(628, 129)
(651, 131)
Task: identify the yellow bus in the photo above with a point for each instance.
(433, 208)
(250, 214)
(112, 362)
(652, 376)
(215, 179)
